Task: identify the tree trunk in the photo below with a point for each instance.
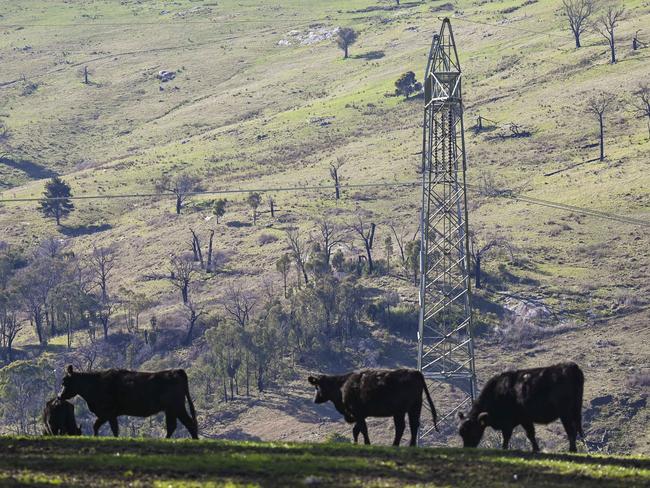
(602, 138)
(209, 263)
(179, 204)
(577, 36)
(184, 293)
(477, 272)
(346, 52)
(284, 278)
(612, 47)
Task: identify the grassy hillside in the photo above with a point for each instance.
(104, 462)
(247, 111)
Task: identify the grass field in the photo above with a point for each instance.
(182, 463)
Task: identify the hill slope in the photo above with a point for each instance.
(262, 98)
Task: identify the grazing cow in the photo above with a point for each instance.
(527, 397)
(116, 392)
(376, 393)
(58, 418)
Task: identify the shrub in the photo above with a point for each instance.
(265, 238)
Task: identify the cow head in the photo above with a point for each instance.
(327, 389)
(472, 428)
(69, 384)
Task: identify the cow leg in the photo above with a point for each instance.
(114, 426)
(97, 425)
(364, 431)
(355, 432)
(187, 421)
(400, 425)
(414, 423)
(571, 432)
(170, 421)
(507, 434)
(530, 433)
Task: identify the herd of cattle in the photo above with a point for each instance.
(523, 397)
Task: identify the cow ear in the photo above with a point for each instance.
(483, 418)
(313, 380)
(68, 370)
(461, 415)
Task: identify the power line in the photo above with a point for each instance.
(512, 27)
(212, 192)
(508, 194)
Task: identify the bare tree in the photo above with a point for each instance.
(181, 273)
(480, 250)
(367, 234)
(298, 252)
(336, 176)
(272, 207)
(10, 324)
(181, 186)
(194, 313)
(642, 104)
(239, 305)
(101, 263)
(578, 13)
(330, 237)
(105, 310)
(598, 105)
(196, 248)
(606, 24)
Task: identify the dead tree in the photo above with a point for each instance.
(196, 248)
(642, 104)
(239, 305)
(606, 24)
(101, 263)
(578, 13)
(330, 237)
(283, 266)
(194, 312)
(336, 175)
(478, 252)
(598, 105)
(181, 186)
(181, 273)
(272, 207)
(367, 234)
(298, 249)
(208, 265)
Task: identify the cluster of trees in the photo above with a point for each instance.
(57, 292)
(584, 15)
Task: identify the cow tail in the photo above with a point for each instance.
(433, 408)
(578, 413)
(191, 404)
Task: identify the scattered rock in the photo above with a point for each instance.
(165, 75)
(308, 37)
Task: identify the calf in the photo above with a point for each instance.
(376, 393)
(116, 392)
(58, 418)
(527, 397)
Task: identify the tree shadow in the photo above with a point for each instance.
(83, 230)
(33, 170)
(370, 55)
(238, 224)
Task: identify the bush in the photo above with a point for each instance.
(336, 438)
(265, 238)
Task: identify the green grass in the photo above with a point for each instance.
(109, 462)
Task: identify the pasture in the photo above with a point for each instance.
(207, 463)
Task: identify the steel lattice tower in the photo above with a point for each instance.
(445, 346)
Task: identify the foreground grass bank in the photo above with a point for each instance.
(111, 462)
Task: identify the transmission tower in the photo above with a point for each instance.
(445, 346)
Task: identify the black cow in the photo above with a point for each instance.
(376, 393)
(116, 392)
(527, 397)
(58, 418)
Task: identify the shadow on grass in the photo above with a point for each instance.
(83, 230)
(370, 55)
(33, 170)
